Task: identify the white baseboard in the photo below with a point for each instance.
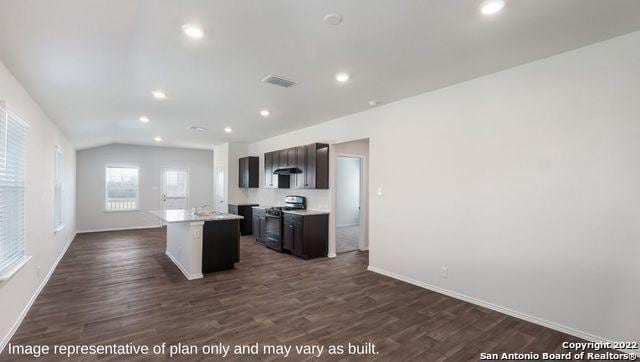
(184, 271)
(331, 255)
(35, 295)
(119, 229)
(347, 225)
(535, 320)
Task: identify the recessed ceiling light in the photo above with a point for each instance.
(491, 7)
(333, 19)
(158, 139)
(158, 94)
(198, 129)
(144, 119)
(228, 129)
(193, 31)
(374, 103)
(265, 113)
(343, 77)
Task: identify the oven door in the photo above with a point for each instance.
(273, 232)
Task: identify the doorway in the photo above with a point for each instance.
(348, 203)
(175, 188)
(219, 202)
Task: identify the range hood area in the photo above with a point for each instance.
(287, 171)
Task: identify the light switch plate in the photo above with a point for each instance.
(379, 191)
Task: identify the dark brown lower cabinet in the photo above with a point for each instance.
(220, 245)
(258, 224)
(244, 210)
(306, 236)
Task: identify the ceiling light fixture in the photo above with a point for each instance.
(144, 119)
(491, 7)
(333, 19)
(158, 139)
(193, 31)
(265, 113)
(343, 77)
(228, 129)
(158, 94)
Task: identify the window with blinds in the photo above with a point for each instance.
(57, 190)
(13, 144)
(121, 188)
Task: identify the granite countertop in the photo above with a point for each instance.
(307, 212)
(244, 203)
(171, 216)
(265, 206)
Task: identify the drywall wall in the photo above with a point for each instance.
(150, 160)
(43, 245)
(347, 191)
(523, 183)
(226, 156)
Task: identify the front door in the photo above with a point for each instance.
(175, 188)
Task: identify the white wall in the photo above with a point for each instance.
(523, 183)
(150, 160)
(43, 245)
(227, 156)
(347, 191)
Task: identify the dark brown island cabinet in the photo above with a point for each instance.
(248, 174)
(259, 218)
(306, 236)
(220, 245)
(244, 210)
(310, 162)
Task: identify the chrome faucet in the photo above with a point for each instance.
(198, 209)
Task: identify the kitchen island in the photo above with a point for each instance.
(203, 242)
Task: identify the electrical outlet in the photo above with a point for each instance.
(444, 272)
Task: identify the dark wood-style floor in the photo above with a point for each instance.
(119, 287)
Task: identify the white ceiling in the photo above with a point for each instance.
(91, 64)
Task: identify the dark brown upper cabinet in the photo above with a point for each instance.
(272, 163)
(286, 158)
(248, 171)
(313, 161)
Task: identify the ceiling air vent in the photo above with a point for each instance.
(279, 81)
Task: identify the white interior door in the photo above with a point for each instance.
(175, 188)
(220, 202)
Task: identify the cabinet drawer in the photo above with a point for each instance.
(293, 219)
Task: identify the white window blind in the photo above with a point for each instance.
(13, 144)
(121, 188)
(57, 189)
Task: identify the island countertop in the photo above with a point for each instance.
(185, 215)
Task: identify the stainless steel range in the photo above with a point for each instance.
(274, 220)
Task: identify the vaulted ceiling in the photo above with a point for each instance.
(92, 64)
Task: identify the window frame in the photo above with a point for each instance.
(106, 189)
(58, 168)
(11, 269)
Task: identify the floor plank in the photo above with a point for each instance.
(119, 287)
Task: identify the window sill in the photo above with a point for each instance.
(124, 210)
(13, 269)
(58, 228)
